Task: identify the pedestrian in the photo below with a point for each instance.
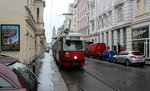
(123, 49)
(108, 47)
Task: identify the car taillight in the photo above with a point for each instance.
(67, 54)
(132, 56)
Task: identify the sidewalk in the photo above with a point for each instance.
(49, 77)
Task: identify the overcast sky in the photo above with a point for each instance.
(53, 15)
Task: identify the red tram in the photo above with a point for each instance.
(68, 50)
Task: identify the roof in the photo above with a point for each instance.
(7, 59)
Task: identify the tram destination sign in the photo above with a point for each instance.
(73, 38)
(140, 33)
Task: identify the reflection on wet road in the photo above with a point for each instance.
(99, 75)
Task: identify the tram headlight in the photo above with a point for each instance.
(75, 57)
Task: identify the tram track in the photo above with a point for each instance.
(68, 77)
(74, 84)
(101, 76)
(102, 81)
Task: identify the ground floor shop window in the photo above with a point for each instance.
(140, 40)
(142, 46)
(138, 45)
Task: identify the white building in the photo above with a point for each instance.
(121, 23)
(70, 21)
(83, 18)
(110, 23)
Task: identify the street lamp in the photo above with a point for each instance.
(68, 14)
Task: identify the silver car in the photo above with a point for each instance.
(130, 57)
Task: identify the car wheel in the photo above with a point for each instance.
(107, 59)
(114, 60)
(127, 62)
(142, 64)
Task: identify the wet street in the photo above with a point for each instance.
(99, 75)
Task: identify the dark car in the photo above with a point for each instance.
(15, 76)
(108, 55)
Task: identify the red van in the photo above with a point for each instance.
(95, 49)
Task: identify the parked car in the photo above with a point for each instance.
(130, 57)
(95, 49)
(8, 80)
(108, 55)
(15, 76)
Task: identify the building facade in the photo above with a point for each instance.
(110, 23)
(121, 23)
(82, 18)
(140, 12)
(22, 29)
(70, 19)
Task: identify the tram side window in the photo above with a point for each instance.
(74, 45)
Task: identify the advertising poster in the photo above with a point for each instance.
(10, 37)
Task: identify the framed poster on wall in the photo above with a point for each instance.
(10, 37)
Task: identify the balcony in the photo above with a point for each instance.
(43, 39)
(40, 32)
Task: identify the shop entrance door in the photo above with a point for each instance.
(146, 49)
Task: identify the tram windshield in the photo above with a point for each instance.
(74, 45)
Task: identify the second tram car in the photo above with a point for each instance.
(68, 50)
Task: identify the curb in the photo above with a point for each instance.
(147, 62)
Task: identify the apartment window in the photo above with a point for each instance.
(112, 37)
(124, 37)
(145, 6)
(99, 22)
(105, 20)
(120, 15)
(118, 36)
(92, 25)
(92, 10)
(110, 18)
(102, 23)
(139, 7)
(102, 37)
(107, 37)
(38, 12)
(88, 31)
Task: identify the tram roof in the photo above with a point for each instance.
(71, 34)
(67, 35)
